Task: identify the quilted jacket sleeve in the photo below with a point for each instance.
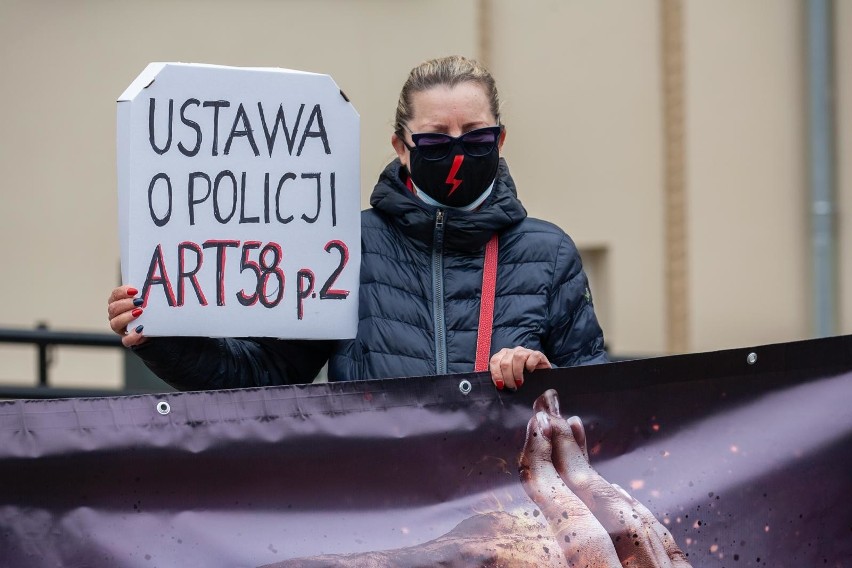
(202, 363)
(574, 336)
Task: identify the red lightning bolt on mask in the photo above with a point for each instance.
(451, 178)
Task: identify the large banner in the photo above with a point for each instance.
(735, 458)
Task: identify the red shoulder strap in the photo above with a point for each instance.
(486, 306)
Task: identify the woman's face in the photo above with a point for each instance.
(448, 110)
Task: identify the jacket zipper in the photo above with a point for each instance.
(438, 295)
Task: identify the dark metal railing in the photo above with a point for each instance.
(45, 340)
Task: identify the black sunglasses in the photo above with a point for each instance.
(436, 146)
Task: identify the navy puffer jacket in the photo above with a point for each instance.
(421, 280)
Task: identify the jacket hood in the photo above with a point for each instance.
(464, 230)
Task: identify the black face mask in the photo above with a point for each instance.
(457, 179)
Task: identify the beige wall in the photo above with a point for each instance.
(64, 64)
(747, 172)
(582, 94)
(581, 84)
(843, 67)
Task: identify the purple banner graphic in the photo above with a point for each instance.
(736, 458)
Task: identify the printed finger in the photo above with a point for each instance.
(579, 433)
(548, 401)
(610, 507)
(580, 536)
(666, 541)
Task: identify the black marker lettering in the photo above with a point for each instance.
(327, 292)
(191, 274)
(268, 269)
(266, 198)
(157, 276)
(308, 133)
(157, 220)
(304, 275)
(246, 131)
(333, 202)
(319, 198)
(216, 213)
(192, 124)
(216, 106)
(190, 193)
(279, 118)
(243, 218)
(246, 264)
(221, 253)
(152, 103)
(285, 177)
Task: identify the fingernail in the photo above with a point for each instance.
(543, 423)
(623, 492)
(136, 313)
(132, 291)
(551, 400)
(500, 384)
(578, 431)
(519, 382)
(138, 301)
(139, 328)
(554, 404)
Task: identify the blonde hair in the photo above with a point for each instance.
(445, 71)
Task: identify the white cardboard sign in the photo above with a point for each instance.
(239, 202)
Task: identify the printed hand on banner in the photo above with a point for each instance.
(507, 366)
(596, 523)
(122, 309)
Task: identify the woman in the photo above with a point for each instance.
(435, 209)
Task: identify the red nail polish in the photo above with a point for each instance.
(519, 382)
(136, 313)
(500, 384)
(132, 291)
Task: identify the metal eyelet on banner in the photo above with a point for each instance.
(752, 358)
(465, 387)
(163, 407)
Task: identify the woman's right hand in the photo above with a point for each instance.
(122, 308)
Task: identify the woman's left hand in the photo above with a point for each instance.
(507, 366)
